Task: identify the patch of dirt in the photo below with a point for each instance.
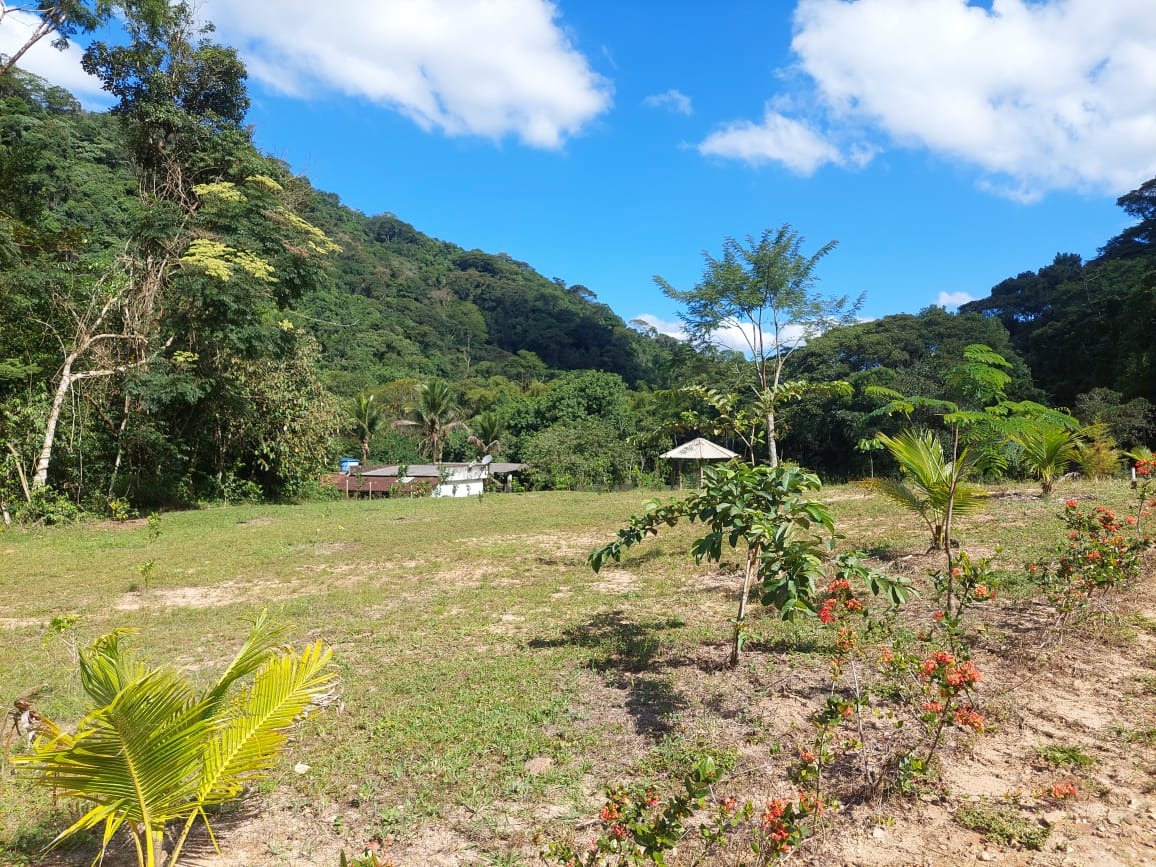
(1090, 692)
(615, 581)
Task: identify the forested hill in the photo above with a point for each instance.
(402, 304)
(1082, 326)
(394, 302)
(182, 319)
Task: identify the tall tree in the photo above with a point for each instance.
(60, 19)
(366, 419)
(763, 291)
(435, 415)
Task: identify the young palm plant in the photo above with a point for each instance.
(932, 486)
(1047, 449)
(154, 751)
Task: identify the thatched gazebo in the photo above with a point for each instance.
(699, 450)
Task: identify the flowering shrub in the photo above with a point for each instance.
(638, 826)
(785, 823)
(1097, 554)
(968, 581)
(948, 684)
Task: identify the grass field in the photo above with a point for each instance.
(492, 683)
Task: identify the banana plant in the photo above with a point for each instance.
(154, 751)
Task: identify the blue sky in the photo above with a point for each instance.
(944, 145)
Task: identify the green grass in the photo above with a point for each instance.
(1003, 825)
(471, 637)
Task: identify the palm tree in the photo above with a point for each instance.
(155, 750)
(488, 431)
(366, 420)
(435, 415)
(1047, 449)
(932, 486)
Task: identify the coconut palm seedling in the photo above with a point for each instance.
(154, 751)
(932, 486)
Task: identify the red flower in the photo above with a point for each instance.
(826, 613)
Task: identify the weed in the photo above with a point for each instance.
(1069, 756)
(1003, 825)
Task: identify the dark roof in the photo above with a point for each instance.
(432, 471)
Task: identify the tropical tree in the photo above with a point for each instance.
(764, 293)
(434, 415)
(366, 419)
(154, 750)
(60, 19)
(488, 430)
(931, 486)
(765, 509)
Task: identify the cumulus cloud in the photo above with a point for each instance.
(672, 100)
(464, 67)
(662, 326)
(777, 139)
(1038, 94)
(1035, 94)
(952, 300)
(62, 68)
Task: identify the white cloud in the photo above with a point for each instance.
(62, 68)
(672, 100)
(662, 326)
(952, 300)
(490, 68)
(778, 138)
(1037, 94)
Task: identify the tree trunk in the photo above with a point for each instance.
(40, 475)
(753, 555)
(772, 443)
(20, 473)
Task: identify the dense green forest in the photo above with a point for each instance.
(182, 319)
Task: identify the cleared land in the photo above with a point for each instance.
(493, 683)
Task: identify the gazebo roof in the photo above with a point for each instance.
(699, 450)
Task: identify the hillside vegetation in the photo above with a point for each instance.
(185, 320)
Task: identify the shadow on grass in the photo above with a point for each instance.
(627, 652)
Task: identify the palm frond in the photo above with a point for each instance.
(259, 717)
(264, 637)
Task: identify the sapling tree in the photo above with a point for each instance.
(764, 292)
(765, 510)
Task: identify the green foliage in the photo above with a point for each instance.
(580, 455)
(765, 291)
(1003, 824)
(154, 750)
(1065, 756)
(1047, 449)
(765, 509)
(931, 484)
(638, 826)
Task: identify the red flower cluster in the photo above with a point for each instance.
(966, 717)
(839, 599)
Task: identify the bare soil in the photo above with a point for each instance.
(1091, 688)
